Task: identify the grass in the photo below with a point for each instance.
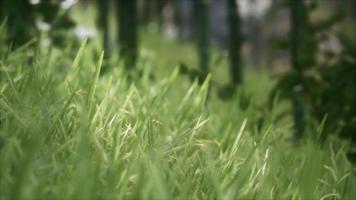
(66, 133)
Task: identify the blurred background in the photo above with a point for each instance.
(262, 23)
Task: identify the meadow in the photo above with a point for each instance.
(68, 131)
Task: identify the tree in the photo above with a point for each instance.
(235, 41)
(103, 24)
(201, 8)
(299, 61)
(127, 37)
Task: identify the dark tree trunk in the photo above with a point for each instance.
(103, 24)
(298, 27)
(201, 8)
(127, 38)
(235, 42)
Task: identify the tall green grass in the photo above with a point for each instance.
(66, 133)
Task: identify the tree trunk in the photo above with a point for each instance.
(235, 42)
(203, 36)
(298, 26)
(127, 38)
(103, 24)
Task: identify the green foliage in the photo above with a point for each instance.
(26, 21)
(334, 93)
(326, 86)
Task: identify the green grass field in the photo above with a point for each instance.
(68, 133)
